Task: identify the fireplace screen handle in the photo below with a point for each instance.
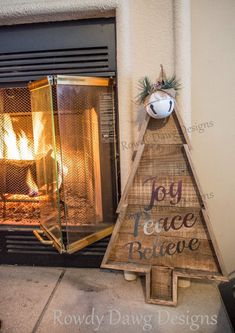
(38, 233)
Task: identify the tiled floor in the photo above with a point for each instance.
(91, 300)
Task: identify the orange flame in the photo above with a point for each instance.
(33, 189)
(17, 147)
(14, 147)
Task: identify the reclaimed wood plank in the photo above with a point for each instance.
(162, 286)
(202, 259)
(130, 178)
(142, 190)
(182, 127)
(163, 131)
(163, 160)
(165, 221)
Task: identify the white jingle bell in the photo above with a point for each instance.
(160, 105)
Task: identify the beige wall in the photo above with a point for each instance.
(213, 100)
(143, 43)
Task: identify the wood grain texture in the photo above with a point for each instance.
(141, 190)
(158, 215)
(163, 160)
(164, 131)
(161, 283)
(143, 128)
(163, 229)
(182, 127)
(130, 178)
(203, 260)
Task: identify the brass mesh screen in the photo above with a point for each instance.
(79, 136)
(17, 166)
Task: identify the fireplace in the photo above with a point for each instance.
(58, 160)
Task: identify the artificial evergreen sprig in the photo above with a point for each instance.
(171, 83)
(146, 87)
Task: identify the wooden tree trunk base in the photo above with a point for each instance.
(161, 286)
(162, 283)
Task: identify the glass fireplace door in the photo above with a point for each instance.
(47, 160)
(73, 158)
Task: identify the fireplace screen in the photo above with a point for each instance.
(57, 159)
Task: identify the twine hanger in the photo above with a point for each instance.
(162, 75)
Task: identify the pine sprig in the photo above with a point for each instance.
(171, 83)
(146, 88)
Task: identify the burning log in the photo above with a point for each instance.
(20, 176)
(13, 176)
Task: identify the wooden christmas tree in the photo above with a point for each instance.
(163, 228)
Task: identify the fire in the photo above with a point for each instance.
(33, 189)
(20, 147)
(37, 130)
(17, 147)
(14, 147)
